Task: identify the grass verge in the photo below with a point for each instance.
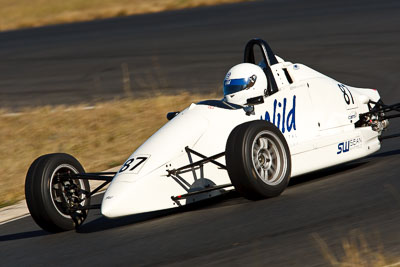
(100, 138)
(33, 13)
(356, 252)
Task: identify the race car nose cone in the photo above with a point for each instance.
(126, 196)
(114, 201)
(107, 208)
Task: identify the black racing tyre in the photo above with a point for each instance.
(258, 160)
(54, 201)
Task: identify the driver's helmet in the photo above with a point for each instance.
(244, 81)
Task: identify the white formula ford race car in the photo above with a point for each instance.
(277, 120)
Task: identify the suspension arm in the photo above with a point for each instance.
(222, 166)
(195, 164)
(381, 107)
(97, 176)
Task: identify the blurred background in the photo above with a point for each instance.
(185, 50)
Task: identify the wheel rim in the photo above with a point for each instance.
(60, 191)
(269, 158)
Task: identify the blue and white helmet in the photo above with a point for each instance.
(244, 81)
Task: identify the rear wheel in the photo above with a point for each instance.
(258, 160)
(56, 201)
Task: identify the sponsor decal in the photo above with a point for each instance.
(348, 145)
(283, 116)
(352, 115)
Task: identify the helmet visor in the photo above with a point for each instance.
(235, 85)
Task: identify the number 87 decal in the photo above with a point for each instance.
(343, 88)
(133, 164)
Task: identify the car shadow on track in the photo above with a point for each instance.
(228, 199)
(23, 235)
(324, 173)
(385, 154)
(102, 223)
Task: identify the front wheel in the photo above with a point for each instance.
(55, 199)
(258, 160)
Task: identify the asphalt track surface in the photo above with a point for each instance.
(355, 42)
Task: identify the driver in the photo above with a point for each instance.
(244, 81)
